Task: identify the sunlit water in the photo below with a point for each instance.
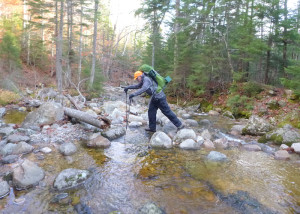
(177, 181)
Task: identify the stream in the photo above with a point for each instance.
(126, 177)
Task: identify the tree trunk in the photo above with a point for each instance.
(92, 77)
(80, 43)
(59, 45)
(87, 118)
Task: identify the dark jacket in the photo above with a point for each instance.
(146, 85)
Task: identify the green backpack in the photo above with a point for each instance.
(154, 75)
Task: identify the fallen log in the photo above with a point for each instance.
(100, 122)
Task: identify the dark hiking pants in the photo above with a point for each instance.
(161, 103)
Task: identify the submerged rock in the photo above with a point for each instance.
(16, 149)
(282, 155)
(70, 178)
(15, 138)
(68, 149)
(151, 208)
(217, 156)
(252, 147)
(27, 174)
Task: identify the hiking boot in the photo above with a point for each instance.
(149, 130)
(181, 127)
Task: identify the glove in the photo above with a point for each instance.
(131, 96)
(126, 89)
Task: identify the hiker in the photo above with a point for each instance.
(157, 101)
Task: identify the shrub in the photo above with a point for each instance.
(251, 89)
(240, 105)
(7, 97)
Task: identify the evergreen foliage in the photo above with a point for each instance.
(293, 81)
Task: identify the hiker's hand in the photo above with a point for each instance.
(126, 89)
(131, 96)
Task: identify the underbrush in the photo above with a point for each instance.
(8, 97)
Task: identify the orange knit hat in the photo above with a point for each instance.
(137, 74)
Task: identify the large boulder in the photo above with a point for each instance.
(27, 174)
(46, 114)
(257, 126)
(70, 178)
(185, 134)
(286, 135)
(161, 140)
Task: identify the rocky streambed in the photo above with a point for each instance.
(54, 164)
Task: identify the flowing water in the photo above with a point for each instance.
(177, 181)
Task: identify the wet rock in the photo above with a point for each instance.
(217, 156)
(205, 123)
(190, 144)
(135, 124)
(59, 197)
(4, 189)
(68, 149)
(257, 126)
(27, 174)
(46, 150)
(170, 129)
(47, 113)
(252, 147)
(228, 114)
(117, 116)
(9, 159)
(114, 133)
(284, 147)
(161, 140)
(136, 138)
(2, 112)
(200, 140)
(15, 138)
(133, 118)
(6, 131)
(214, 113)
(206, 134)
(192, 123)
(184, 134)
(286, 135)
(82, 209)
(16, 149)
(70, 178)
(282, 155)
(98, 141)
(296, 147)
(221, 143)
(186, 116)
(151, 208)
(208, 144)
(110, 106)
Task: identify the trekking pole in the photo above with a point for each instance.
(126, 112)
